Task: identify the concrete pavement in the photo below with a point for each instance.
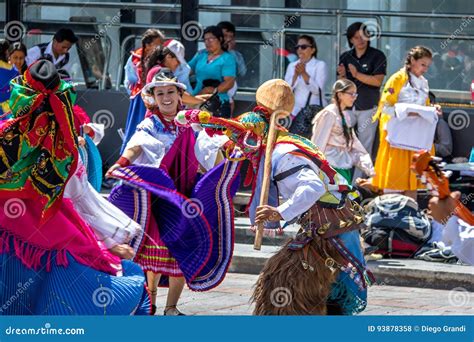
(232, 298)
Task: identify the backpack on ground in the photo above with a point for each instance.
(395, 225)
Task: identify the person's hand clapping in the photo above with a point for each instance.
(341, 70)
(353, 70)
(300, 68)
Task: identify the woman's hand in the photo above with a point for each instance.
(367, 184)
(123, 251)
(206, 90)
(439, 111)
(353, 70)
(203, 97)
(81, 141)
(300, 68)
(267, 213)
(190, 100)
(108, 174)
(341, 70)
(86, 129)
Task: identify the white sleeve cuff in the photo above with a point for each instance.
(286, 212)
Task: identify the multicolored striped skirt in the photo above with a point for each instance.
(155, 256)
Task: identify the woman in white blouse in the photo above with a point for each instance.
(307, 76)
(333, 134)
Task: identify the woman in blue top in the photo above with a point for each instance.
(215, 68)
(7, 73)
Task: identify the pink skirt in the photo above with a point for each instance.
(154, 256)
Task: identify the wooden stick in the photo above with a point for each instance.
(271, 137)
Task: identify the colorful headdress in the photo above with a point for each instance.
(38, 147)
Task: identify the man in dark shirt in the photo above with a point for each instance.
(366, 67)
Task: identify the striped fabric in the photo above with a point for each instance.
(154, 255)
(72, 290)
(198, 231)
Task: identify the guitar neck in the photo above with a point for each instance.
(463, 213)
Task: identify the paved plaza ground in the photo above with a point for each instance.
(232, 298)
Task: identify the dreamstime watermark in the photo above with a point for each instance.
(115, 195)
(464, 201)
(14, 31)
(14, 208)
(13, 298)
(458, 119)
(192, 30)
(285, 121)
(459, 296)
(288, 21)
(102, 32)
(370, 30)
(102, 297)
(46, 330)
(281, 297)
(104, 117)
(192, 208)
(464, 23)
(276, 35)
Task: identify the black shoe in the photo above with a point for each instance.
(153, 310)
(172, 311)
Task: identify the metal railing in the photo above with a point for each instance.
(278, 64)
(104, 4)
(340, 14)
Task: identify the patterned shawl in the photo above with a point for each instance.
(38, 147)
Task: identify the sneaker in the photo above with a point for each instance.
(436, 253)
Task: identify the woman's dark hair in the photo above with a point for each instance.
(65, 34)
(416, 53)
(353, 29)
(216, 32)
(158, 56)
(4, 46)
(18, 46)
(339, 87)
(147, 38)
(226, 25)
(311, 41)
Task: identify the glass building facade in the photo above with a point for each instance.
(265, 27)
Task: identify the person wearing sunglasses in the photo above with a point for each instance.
(366, 67)
(333, 134)
(307, 77)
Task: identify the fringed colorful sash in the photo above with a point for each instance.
(38, 147)
(248, 133)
